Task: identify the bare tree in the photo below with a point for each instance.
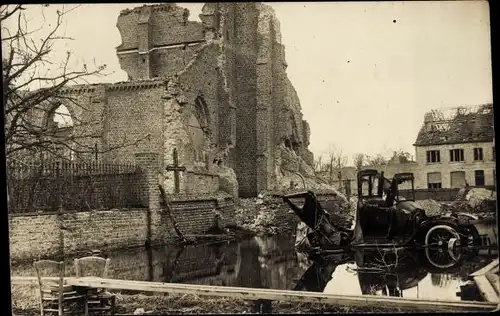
(335, 160)
(26, 64)
(318, 164)
(359, 160)
(378, 160)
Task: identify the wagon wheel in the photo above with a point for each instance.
(442, 246)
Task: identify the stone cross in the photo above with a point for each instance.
(176, 169)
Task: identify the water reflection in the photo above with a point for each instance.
(271, 262)
(387, 272)
(441, 280)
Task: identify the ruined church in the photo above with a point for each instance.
(216, 90)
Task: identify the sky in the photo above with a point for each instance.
(365, 72)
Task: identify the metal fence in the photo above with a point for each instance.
(67, 186)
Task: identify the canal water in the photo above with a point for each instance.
(272, 262)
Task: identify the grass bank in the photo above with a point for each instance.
(25, 302)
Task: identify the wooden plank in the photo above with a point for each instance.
(29, 280)
(377, 246)
(276, 295)
(494, 281)
(492, 265)
(486, 289)
(254, 294)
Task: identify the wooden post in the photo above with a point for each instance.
(59, 208)
(59, 187)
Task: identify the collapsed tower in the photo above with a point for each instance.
(235, 61)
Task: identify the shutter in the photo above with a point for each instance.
(434, 177)
(457, 179)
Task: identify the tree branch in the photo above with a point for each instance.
(26, 112)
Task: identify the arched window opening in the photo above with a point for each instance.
(61, 117)
(61, 124)
(197, 138)
(202, 112)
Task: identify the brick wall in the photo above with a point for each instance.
(166, 62)
(45, 235)
(265, 105)
(200, 182)
(245, 44)
(204, 74)
(104, 229)
(134, 113)
(32, 236)
(196, 214)
(227, 208)
(445, 194)
(434, 194)
(160, 28)
(170, 25)
(87, 113)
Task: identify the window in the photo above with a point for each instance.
(433, 156)
(479, 176)
(456, 155)
(478, 154)
(434, 180)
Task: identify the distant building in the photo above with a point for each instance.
(456, 150)
(343, 179)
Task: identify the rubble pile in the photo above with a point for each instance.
(480, 198)
(432, 207)
(267, 214)
(477, 201)
(257, 216)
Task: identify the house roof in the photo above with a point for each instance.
(466, 125)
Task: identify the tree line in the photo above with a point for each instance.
(334, 158)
